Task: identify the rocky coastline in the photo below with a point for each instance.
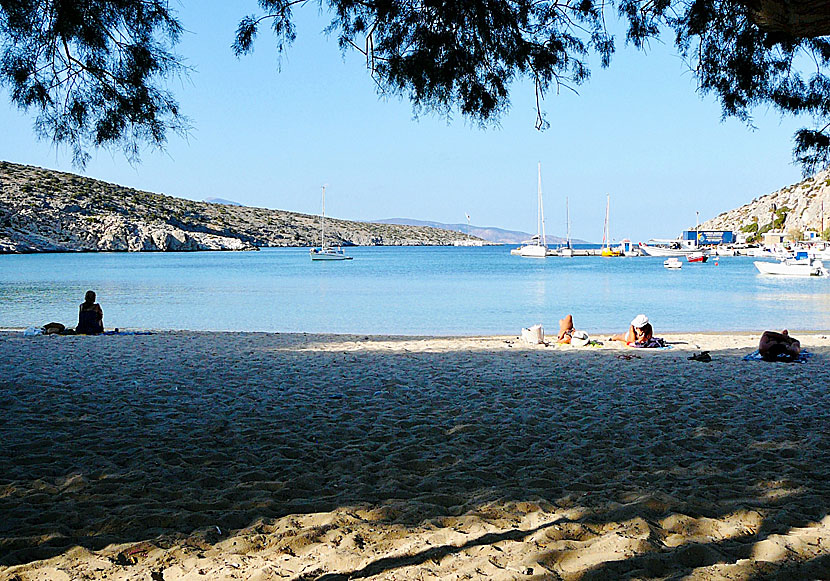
(43, 210)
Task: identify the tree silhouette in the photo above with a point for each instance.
(93, 71)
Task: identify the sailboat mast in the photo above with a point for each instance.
(606, 234)
(323, 221)
(541, 208)
(567, 223)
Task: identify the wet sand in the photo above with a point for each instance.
(184, 455)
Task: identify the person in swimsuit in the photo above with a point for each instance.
(566, 329)
(90, 317)
(639, 332)
(778, 346)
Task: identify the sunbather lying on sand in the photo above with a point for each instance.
(567, 333)
(566, 329)
(639, 332)
(777, 346)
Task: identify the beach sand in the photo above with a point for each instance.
(184, 455)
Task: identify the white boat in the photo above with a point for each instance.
(326, 252)
(820, 253)
(792, 267)
(536, 247)
(672, 263)
(668, 248)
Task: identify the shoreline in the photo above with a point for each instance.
(188, 455)
(670, 334)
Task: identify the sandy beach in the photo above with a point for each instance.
(190, 455)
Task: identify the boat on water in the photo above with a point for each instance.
(668, 248)
(325, 252)
(672, 263)
(606, 237)
(801, 265)
(697, 257)
(566, 251)
(536, 247)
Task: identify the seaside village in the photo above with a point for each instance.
(762, 232)
(786, 254)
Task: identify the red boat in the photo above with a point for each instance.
(697, 257)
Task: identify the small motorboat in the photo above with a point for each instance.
(697, 257)
(793, 267)
(673, 263)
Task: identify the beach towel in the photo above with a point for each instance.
(127, 333)
(802, 357)
(653, 343)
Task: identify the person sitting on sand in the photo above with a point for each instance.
(778, 346)
(90, 317)
(639, 332)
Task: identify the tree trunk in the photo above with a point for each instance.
(796, 18)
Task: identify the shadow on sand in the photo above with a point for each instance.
(216, 436)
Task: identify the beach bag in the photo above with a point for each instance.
(535, 335)
(53, 328)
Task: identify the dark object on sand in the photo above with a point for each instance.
(53, 328)
(778, 346)
(702, 356)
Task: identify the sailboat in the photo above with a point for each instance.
(606, 233)
(566, 250)
(537, 246)
(326, 252)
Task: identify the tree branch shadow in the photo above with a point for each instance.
(218, 441)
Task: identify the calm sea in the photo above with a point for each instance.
(442, 291)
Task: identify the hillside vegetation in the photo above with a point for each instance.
(792, 210)
(43, 210)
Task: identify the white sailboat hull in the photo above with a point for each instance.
(328, 254)
(530, 251)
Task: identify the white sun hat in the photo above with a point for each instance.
(639, 321)
(579, 338)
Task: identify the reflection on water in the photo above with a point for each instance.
(403, 291)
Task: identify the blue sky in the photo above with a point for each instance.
(267, 137)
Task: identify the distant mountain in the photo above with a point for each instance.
(489, 233)
(43, 210)
(222, 201)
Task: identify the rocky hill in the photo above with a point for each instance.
(49, 211)
(488, 233)
(792, 210)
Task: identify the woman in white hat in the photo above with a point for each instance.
(639, 332)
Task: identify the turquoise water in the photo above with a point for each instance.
(443, 291)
